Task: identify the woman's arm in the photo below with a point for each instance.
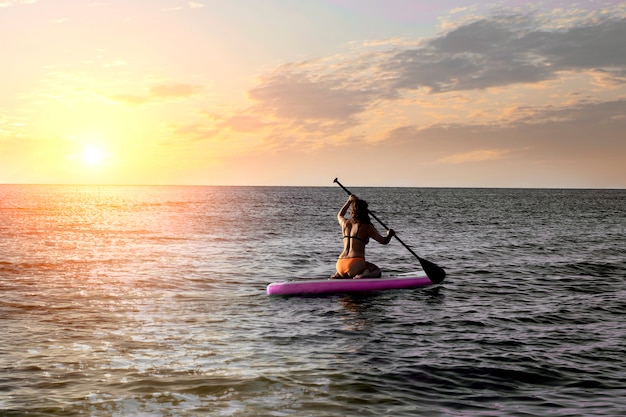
(379, 238)
(344, 209)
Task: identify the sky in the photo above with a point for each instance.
(417, 93)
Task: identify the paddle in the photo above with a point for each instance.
(435, 273)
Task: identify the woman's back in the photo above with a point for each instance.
(355, 237)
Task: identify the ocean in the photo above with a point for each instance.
(150, 301)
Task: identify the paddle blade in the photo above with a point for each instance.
(434, 272)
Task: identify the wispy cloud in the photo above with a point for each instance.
(490, 52)
(474, 156)
(296, 96)
(585, 130)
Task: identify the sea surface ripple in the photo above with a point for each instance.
(150, 301)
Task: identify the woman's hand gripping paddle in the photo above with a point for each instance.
(435, 273)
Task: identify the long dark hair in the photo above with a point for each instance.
(359, 212)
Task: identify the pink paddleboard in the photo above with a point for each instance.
(322, 286)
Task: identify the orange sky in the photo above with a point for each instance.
(277, 92)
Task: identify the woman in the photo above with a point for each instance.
(356, 233)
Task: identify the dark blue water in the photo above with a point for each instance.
(135, 301)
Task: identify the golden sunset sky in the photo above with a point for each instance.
(427, 93)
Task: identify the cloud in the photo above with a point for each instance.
(161, 92)
(493, 52)
(474, 156)
(501, 51)
(243, 123)
(291, 95)
(581, 131)
(194, 132)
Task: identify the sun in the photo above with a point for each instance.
(92, 156)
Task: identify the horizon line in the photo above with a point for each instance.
(484, 187)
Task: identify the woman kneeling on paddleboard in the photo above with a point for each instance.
(356, 233)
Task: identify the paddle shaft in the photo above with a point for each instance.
(381, 223)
